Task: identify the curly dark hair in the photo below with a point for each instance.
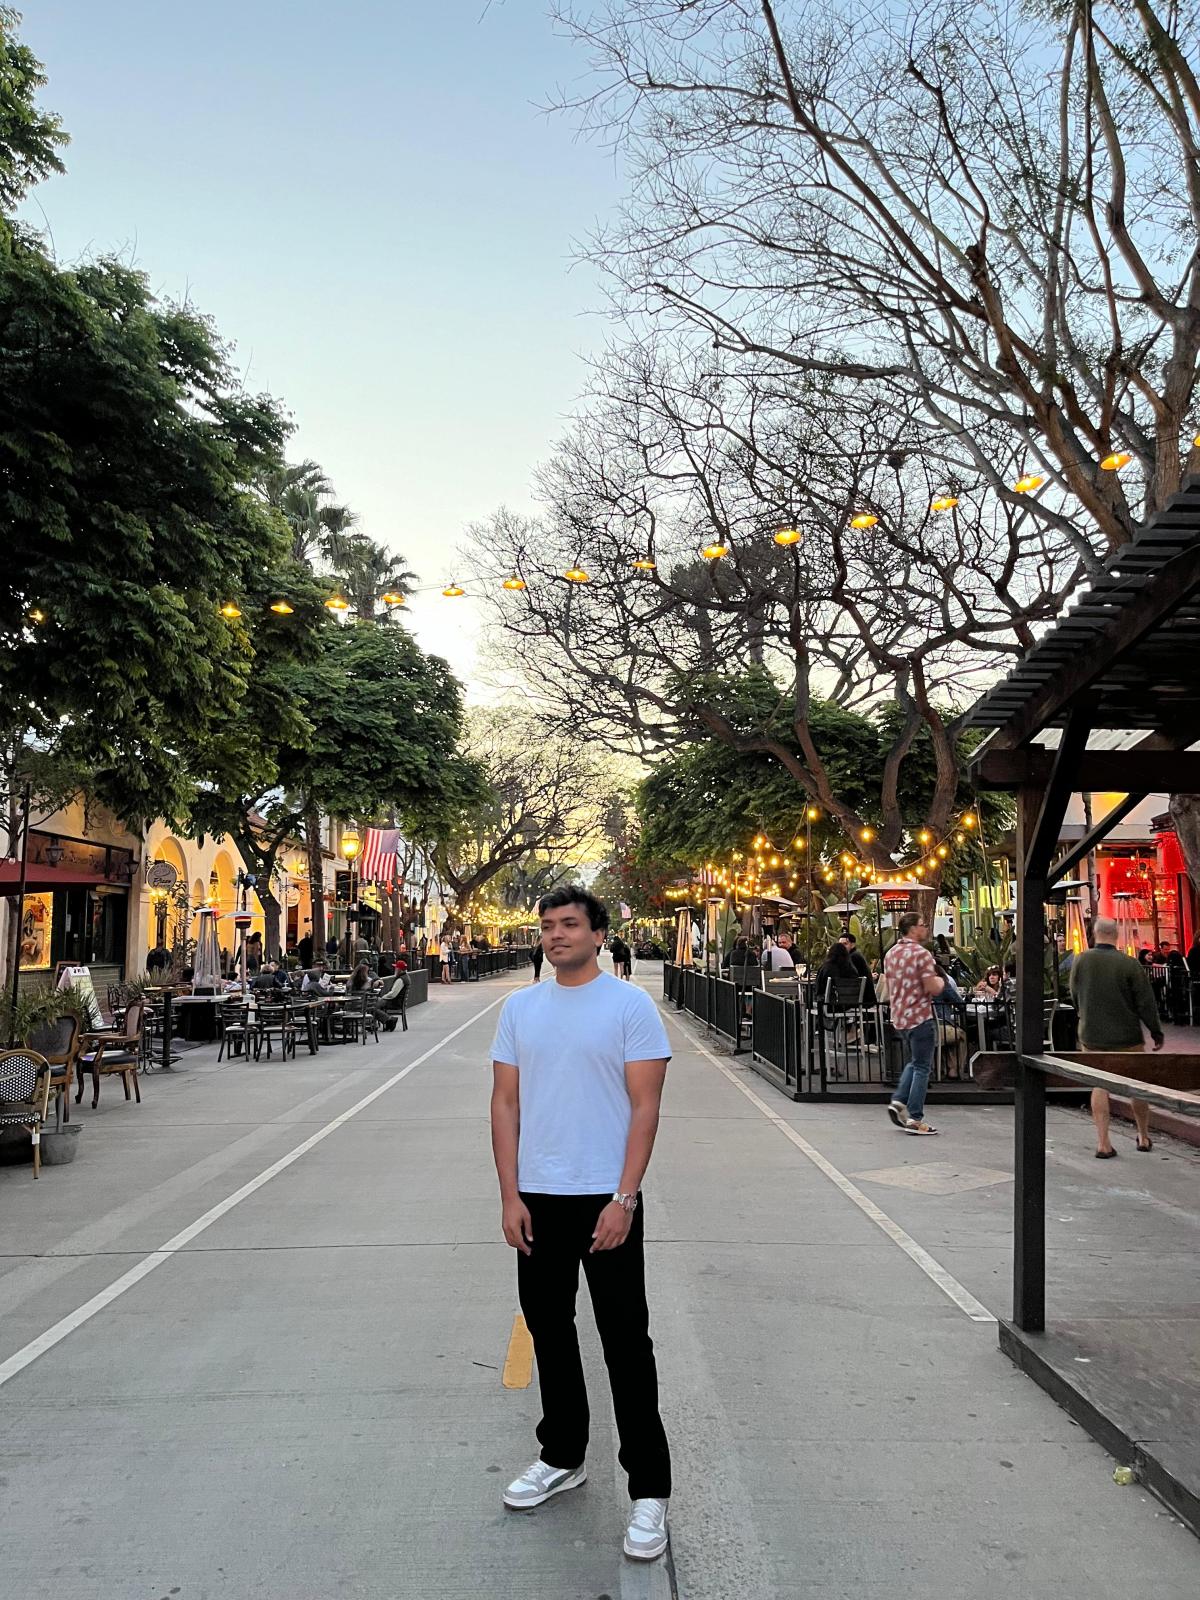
(576, 895)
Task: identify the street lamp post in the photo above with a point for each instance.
(351, 845)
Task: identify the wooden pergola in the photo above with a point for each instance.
(1126, 659)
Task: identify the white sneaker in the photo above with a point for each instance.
(646, 1535)
(539, 1481)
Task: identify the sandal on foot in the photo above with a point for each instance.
(1146, 1148)
(919, 1128)
(1106, 1155)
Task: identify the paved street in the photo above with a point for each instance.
(301, 1398)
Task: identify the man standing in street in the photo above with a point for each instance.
(912, 982)
(1113, 998)
(579, 1066)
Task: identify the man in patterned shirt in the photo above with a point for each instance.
(912, 982)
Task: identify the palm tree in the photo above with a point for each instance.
(368, 571)
(302, 494)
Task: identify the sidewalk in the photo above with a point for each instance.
(304, 1399)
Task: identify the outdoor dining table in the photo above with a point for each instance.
(325, 1003)
(170, 1001)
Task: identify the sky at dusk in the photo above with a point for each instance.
(374, 209)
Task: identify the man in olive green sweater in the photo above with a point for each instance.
(1113, 997)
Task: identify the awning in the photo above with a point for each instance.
(41, 879)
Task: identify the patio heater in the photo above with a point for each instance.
(892, 895)
(1125, 903)
(208, 954)
(1061, 899)
(241, 922)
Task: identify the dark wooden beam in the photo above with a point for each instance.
(1171, 587)
(1101, 771)
(1039, 848)
(1066, 864)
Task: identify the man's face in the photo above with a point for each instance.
(919, 932)
(568, 938)
(846, 944)
(785, 941)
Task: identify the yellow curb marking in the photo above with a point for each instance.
(518, 1363)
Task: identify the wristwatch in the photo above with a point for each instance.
(627, 1202)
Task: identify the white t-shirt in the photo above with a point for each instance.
(570, 1046)
(777, 959)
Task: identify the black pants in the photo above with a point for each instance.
(548, 1282)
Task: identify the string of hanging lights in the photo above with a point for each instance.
(786, 537)
(768, 868)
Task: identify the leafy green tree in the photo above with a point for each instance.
(360, 723)
(30, 138)
(706, 800)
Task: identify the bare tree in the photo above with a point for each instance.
(984, 217)
(913, 606)
(547, 797)
(990, 214)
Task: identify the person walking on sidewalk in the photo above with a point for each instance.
(578, 1069)
(539, 955)
(1113, 998)
(912, 981)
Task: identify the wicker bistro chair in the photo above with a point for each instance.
(107, 1053)
(25, 1096)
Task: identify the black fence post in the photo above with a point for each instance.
(1029, 1241)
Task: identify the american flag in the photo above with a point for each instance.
(378, 863)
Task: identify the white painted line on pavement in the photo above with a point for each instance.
(75, 1319)
(933, 1270)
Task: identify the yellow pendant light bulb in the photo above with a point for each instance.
(1114, 462)
(393, 598)
(714, 552)
(644, 564)
(1028, 483)
(282, 609)
(576, 575)
(453, 590)
(863, 520)
(229, 610)
(337, 602)
(787, 536)
(514, 583)
(944, 502)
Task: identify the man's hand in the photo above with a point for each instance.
(612, 1228)
(518, 1225)
(1158, 1043)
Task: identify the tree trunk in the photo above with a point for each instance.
(1185, 814)
(272, 950)
(316, 878)
(12, 941)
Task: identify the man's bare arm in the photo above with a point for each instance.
(506, 1130)
(644, 1081)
